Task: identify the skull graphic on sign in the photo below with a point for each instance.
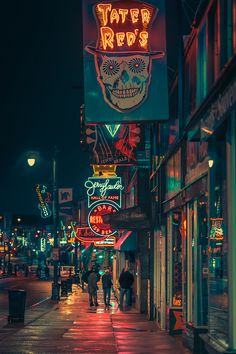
(124, 80)
(122, 56)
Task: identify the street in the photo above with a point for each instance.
(37, 291)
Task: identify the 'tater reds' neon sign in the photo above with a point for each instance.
(127, 41)
(108, 15)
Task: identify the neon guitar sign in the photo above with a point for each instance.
(44, 199)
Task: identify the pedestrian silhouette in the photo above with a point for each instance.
(93, 278)
(106, 285)
(126, 280)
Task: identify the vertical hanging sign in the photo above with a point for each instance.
(45, 198)
(125, 61)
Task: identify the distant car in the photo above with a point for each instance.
(66, 271)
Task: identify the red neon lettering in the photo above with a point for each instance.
(103, 9)
(114, 16)
(146, 16)
(130, 38)
(123, 13)
(143, 39)
(134, 15)
(107, 36)
(120, 36)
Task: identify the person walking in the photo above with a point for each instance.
(93, 278)
(106, 286)
(82, 278)
(47, 272)
(126, 280)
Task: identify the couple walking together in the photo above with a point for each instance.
(93, 278)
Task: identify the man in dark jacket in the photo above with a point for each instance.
(126, 280)
(106, 285)
(93, 278)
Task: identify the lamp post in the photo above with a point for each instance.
(55, 285)
(55, 254)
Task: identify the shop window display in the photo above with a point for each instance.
(177, 260)
(218, 250)
(202, 280)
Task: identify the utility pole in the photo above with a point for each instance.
(7, 237)
(55, 285)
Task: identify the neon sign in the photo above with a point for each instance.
(107, 242)
(216, 232)
(114, 23)
(85, 234)
(44, 199)
(96, 222)
(116, 147)
(101, 189)
(123, 56)
(112, 128)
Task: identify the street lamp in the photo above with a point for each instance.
(55, 286)
(31, 162)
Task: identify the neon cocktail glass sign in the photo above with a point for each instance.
(101, 189)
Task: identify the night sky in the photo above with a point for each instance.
(41, 85)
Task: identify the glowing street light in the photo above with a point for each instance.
(33, 156)
(31, 162)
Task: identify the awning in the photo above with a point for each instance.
(127, 242)
(135, 218)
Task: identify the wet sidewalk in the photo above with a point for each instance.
(71, 326)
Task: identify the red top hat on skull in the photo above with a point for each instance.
(124, 27)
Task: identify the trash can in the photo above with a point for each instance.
(64, 289)
(16, 302)
(69, 285)
(55, 291)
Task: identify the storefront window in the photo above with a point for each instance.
(191, 262)
(218, 249)
(202, 254)
(197, 262)
(173, 174)
(176, 260)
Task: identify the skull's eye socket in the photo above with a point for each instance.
(111, 67)
(137, 65)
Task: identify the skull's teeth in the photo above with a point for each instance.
(126, 93)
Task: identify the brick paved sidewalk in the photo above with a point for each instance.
(73, 327)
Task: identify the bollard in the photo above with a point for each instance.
(64, 289)
(69, 285)
(17, 299)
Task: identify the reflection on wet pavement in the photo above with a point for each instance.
(74, 326)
